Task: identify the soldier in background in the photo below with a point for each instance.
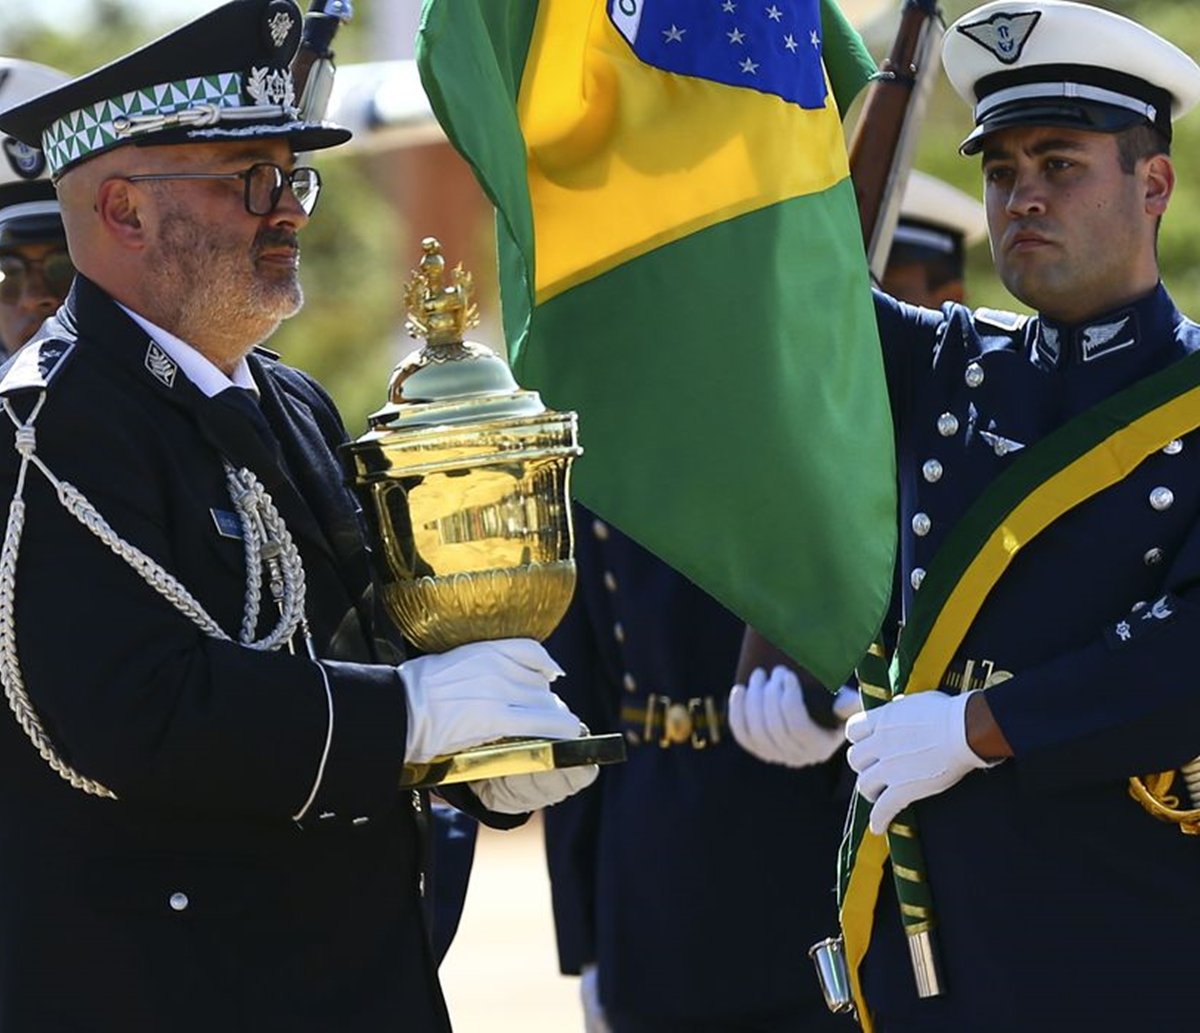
(35, 267)
(688, 882)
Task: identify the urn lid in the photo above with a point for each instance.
(449, 380)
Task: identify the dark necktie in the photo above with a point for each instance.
(245, 403)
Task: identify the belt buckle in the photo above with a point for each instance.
(703, 707)
(677, 723)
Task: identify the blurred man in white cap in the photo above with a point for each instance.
(35, 267)
(202, 819)
(927, 261)
(1050, 560)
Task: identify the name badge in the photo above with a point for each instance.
(229, 525)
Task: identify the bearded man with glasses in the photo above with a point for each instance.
(35, 267)
(202, 822)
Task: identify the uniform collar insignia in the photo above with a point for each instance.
(1056, 344)
(1047, 347)
(161, 365)
(1105, 338)
(1005, 35)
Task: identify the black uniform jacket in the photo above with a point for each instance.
(194, 902)
(1061, 903)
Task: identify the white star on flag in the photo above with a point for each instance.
(789, 41)
(729, 6)
(675, 35)
(749, 67)
(774, 13)
(814, 39)
(736, 36)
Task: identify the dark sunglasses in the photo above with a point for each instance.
(264, 184)
(15, 270)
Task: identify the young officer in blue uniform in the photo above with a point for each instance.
(687, 880)
(1050, 550)
(202, 822)
(35, 268)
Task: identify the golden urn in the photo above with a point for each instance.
(464, 480)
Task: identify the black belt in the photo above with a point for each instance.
(698, 722)
(965, 675)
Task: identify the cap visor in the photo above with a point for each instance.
(1095, 118)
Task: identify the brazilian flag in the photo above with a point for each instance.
(681, 263)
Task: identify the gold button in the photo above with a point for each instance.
(600, 529)
(610, 581)
(630, 682)
(677, 724)
(619, 632)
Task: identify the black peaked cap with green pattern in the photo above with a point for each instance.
(225, 76)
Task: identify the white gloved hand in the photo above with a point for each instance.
(594, 1019)
(516, 794)
(479, 692)
(769, 719)
(909, 749)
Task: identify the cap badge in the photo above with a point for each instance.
(279, 28)
(1005, 35)
(272, 86)
(27, 162)
(161, 365)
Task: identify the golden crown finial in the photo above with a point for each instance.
(440, 312)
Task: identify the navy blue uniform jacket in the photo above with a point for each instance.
(210, 746)
(1062, 904)
(696, 879)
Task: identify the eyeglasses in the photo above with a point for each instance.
(56, 269)
(264, 184)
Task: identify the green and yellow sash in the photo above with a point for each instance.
(1092, 452)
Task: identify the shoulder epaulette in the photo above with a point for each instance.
(1009, 322)
(32, 367)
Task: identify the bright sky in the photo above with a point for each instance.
(68, 13)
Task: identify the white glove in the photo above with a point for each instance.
(516, 794)
(480, 692)
(769, 719)
(594, 1019)
(909, 749)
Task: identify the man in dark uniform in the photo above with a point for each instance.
(35, 268)
(201, 822)
(1050, 552)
